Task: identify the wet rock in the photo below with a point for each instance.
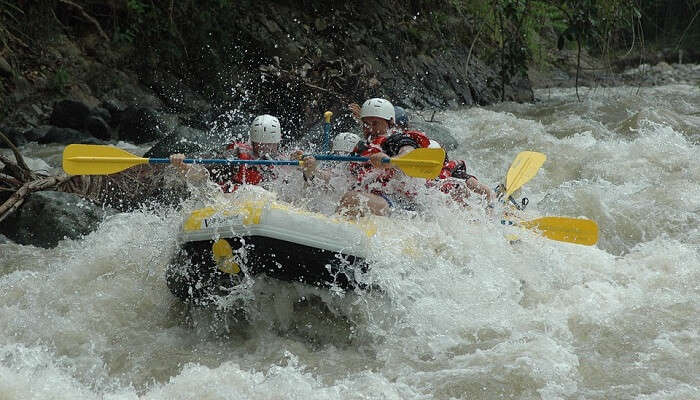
(140, 125)
(102, 113)
(436, 132)
(197, 143)
(35, 134)
(68, 136)
(15, 135)
(46, 218)
(112, 106)
(115, 109)
(663, 67)
(174, 93)
(98, 127)
(69, 114)
(5, 240)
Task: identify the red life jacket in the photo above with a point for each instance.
(377, 145)
(452, 168)
(245, 174)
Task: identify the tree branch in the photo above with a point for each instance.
(18, 155)
(15, 171)
(10, 180)
(17, 198)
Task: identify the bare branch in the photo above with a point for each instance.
(12, 169)
(17, 198)
(18, 155)
(10, 180)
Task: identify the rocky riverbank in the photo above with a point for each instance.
(597, 73)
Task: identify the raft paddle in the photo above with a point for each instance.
(90, 159)
(523, 168)
(563, 229)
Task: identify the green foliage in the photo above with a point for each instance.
(673, 23)
(132, 23)
(522, 28)
(136, 7)
(59, 80)
(125, 36)
(593, 21)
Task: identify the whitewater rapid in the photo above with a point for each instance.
(462, 313)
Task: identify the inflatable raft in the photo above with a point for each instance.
(219, 245)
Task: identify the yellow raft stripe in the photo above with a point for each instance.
(252, 212)
(194, 221)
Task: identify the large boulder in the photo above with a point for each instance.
(68, 136)
(69, 114)
(141, 124)
(97, 127)
(46, 218)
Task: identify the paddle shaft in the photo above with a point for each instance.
(327, 131)
(332, 157)
(320, 157)
(225, 161)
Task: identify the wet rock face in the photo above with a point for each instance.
(194, 142)
(68, 136)
(297, 60)
(15, 135)
(98, 128)
(69, 114)
(141, 124)
(47, 217)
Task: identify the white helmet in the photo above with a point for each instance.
(265, 129)
(345, 142)
(378, 108)
(434, 145)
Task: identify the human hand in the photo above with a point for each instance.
(308, 166)
(177, 160)
(297, 155)
(376, 160)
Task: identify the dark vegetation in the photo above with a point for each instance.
(216, 46)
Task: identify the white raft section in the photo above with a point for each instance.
(253, 211)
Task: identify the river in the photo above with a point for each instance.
(462, 313)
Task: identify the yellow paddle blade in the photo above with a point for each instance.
(421, 163)
(90, 159)
(523, 168)
(571, 230)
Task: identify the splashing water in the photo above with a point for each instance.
(461, 313)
